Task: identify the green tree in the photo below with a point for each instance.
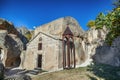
(100, 21)
(28, 35)
(111, 21)
(114, 26)
(91, 24)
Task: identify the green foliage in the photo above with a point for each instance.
(100, 21)
(91, 24)
(114, 25)
(28, 35)
(111, 21)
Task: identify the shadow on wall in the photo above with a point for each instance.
(13, 53)
(105, 72)
(105, 65)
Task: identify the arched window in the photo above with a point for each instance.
(40, 39)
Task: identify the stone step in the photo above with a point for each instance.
(33, 72)
(37, 69)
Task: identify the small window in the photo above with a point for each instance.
(40, 39)
(40, 46)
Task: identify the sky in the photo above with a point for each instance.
(32, 13)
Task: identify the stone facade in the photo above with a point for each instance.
(50, 36)
(49, 52)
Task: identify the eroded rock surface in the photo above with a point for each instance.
(11, 44)
(109, 54)
(2, 71)
(10, 48)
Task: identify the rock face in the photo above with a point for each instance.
(10, 48)
(99, 50)
(58, 26)
(91, 39)
(23, 30)
(2, 69)
(10, 44)
(94, 38)
(5, 25)
(14, 48)
(109, 54)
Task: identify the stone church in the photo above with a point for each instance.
(56, 45)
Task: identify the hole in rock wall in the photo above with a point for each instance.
(1, 53)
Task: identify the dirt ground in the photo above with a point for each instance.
(73, 74)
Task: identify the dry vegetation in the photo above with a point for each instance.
(73, 74)
(93, 72)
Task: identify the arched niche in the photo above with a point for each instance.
(68, 49)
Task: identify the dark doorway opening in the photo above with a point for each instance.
(40, 61)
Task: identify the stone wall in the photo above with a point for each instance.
(49, 52)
